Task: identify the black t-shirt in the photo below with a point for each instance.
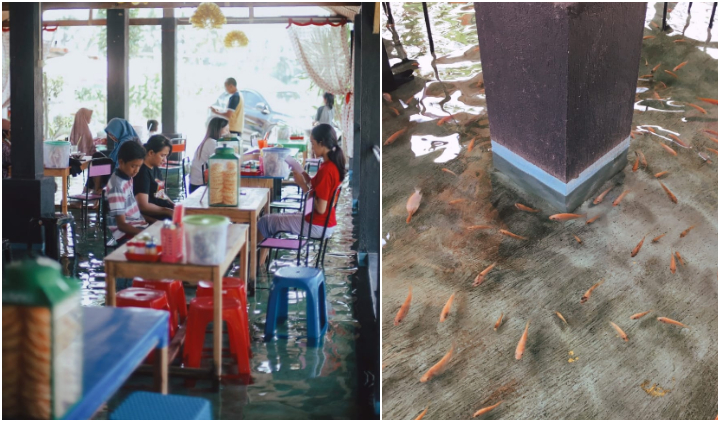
(146, 182)
(234, 101)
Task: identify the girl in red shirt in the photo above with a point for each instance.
(326, 181)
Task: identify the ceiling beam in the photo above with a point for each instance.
(186, 21)
(111, 5)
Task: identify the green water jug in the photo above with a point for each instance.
(224, 177)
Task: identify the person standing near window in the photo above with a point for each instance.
(325, 113)
(153, 128)
(235, 111)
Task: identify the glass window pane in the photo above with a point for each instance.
(65, 14)
(145, 72)
(292, 11)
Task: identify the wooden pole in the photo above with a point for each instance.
(169, 71)
(117, 64)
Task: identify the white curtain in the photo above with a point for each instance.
(324, 52)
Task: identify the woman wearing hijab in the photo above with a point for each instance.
(80, 134)
(118, 132)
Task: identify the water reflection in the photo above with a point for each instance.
(425, 144)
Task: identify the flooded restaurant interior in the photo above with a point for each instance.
(601, 305)
(81, 78)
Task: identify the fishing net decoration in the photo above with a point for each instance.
(324, 52)
(208, 15)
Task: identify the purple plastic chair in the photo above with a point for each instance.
(97, 167)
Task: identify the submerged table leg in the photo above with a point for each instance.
(109, 284)
(64, 206)
(244, 259)
(161, 371)
(217, 321)
(253, 247)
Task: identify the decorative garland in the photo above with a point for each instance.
(208, 15)
(311, 22)
(236, 39)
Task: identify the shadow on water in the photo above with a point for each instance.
(292, 377)
(443, 114)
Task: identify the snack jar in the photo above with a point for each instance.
(205, 238)
(223, 177)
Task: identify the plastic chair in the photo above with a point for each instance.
(155, 406)
(232, 287)
(173, 290)
(278, 243)
(112, 243)
(200, 315)
(312, 280)
(97, 167)
(135, 297)
(177, 161)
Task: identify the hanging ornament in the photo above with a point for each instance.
(236, 39)
(208, 15)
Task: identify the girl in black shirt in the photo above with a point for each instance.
(145, 183)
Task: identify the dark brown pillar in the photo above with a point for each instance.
(28, 194)
(560, 81)
(117, 64)
(169, 71)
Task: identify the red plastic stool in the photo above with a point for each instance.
(232, 287)
(175, 294)
(200, 315)
(135, 297)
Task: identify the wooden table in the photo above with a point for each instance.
(65, 173)
(252, 202)
(268, 182)
(116, 265)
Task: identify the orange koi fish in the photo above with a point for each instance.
(456, 201)
(646, 76)
(513, 235)
(656, 67)
(680, 260)
(479, 227)
(394, 136)
(444, 119)
(657, 96)
(640, 315)
(708, 100)
(637, 248)
(661, 174)
(587, 294)
(663, 84)
(486, 409)
(592, 220)
(642, 157)
(481, 277)
(712, 150)
(499, 321)
(577, 238)
(620, 331)
(449, 171)
(683, 40)
(655, 25)
(522, 207)
(657, 239)
(678, 140)
(670, 73)
(672, 321)
(600, 197)
(520, 349)
(397, 113)
(675, 69)
(402, 313)
(649, 128)
(446, 309)
(636, 165)
(617, 200)
(686, 231)
(387, 97)
(439, 367)
(413, 204)
(669, 194)
(420, 416)
(470, 145)
(697, 107)
(565, 216)
(648, 37)
(668, 149)
(672, 263)
(561, 317)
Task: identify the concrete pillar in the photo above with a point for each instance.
(28, 193)
(358, 87)
(118, 49)
(169, 71)
(560, 81)
(369, 200)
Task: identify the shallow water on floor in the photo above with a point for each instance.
(292, 378)
(443, 115)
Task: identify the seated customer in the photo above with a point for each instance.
(124, 218)
(217, 128)
(145, 183)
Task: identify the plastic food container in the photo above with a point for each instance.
(205, 238)
(232, 141)
(224, 177)
(56, 154)
(274, 164)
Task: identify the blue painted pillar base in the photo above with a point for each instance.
(564, 197)
(354, 207)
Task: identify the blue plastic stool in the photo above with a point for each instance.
(157, 407)
(312, 280)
